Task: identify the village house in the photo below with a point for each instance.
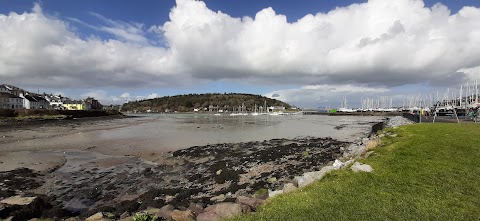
(94, 104)
(13, 97)
(56, 101)
(76, 105)
(34, 101)
(10, 101)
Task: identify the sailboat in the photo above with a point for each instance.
(255, 113)
(344, 106)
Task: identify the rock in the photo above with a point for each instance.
(337, 164)
(381, 135)
(187, 215)
(311, 177)
(18, 200)
(245, 208)
(218, 198)
(169, 198)
(128, 218)
(225, 210)
(358, 167)
(165, 212)
(393, 135)
(302, 181)
(76, 218)
(196, 208)
(348, 163)
(289, 187)
(354, 150)
(98, 217)
(124, 215)
(253, 203)
(208, 216)
(152, 210)
(274, 193)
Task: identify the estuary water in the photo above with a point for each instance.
(159, 133)
(177, 131)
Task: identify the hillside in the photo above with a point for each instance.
(188, 102)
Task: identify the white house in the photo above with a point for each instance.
(33, 101)
(56, 101)
(10, 101)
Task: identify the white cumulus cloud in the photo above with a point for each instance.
(378, 43)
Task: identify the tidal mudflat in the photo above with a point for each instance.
(125, 165)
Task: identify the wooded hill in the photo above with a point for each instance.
(188, 102)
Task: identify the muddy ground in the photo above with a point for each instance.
(89, 182)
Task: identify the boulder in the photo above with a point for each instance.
(225, 210)
(18, 200)
(124, 215)
(208, 216)
(354, 150)
(253, 203)
(337, 164)
(218, 198)
(358, 167)
(289, 187)
(245, 208)
(196, 208)
(99, 217)
(165, 212)
(272, 193)
(311, 177)
(302, 181)
(187, 215)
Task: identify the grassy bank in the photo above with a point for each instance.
(427, 172)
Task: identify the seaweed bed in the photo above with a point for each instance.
(194, 175)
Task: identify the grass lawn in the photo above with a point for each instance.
(427, 172)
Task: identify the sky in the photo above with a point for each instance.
(310, 53)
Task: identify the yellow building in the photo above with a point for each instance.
(75, 105)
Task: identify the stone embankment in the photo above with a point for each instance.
(209, 182)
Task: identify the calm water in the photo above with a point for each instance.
(151, 133)
(176, 131)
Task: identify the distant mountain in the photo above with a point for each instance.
(189, 102)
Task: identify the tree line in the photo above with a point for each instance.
(188, 102)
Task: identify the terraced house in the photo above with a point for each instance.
(10, 101)
(34, 101)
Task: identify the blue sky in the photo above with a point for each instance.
(339, 46)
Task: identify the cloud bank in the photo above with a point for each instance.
(375, 44)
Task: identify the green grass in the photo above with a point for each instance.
(427, 172)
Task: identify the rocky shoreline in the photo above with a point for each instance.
(197, 183)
